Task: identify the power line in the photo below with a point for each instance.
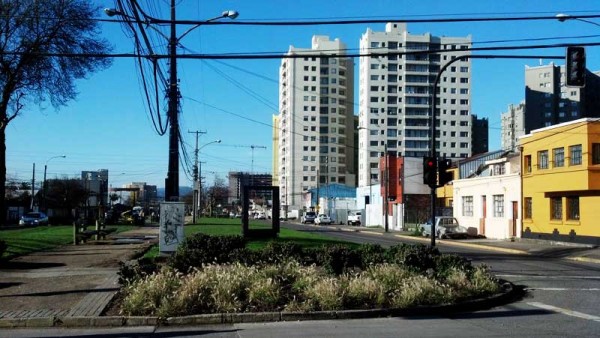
(258, 56)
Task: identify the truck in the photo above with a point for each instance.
(354, 218)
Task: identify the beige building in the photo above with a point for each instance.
(315, 121)
(395, 93)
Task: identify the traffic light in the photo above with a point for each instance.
(429, 171)
(445, 175)
(575, 67)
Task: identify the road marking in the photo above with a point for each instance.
(565, 289)
(548, 277)
(565, 311)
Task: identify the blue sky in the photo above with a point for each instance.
(108, 126)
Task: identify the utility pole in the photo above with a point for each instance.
(32, 187)
(172, 180)
(195, 200)
(386, 181)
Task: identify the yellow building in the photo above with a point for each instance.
(561, 182)
(445, 194)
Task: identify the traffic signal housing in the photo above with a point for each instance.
(575, 67)
(429, 171)
(445, 176)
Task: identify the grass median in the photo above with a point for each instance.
(22, 241)
(233, 226)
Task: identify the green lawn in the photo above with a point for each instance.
(27, 240)
(233, 226)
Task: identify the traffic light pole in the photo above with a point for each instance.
(433, 118)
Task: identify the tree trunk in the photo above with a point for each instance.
(3, 205)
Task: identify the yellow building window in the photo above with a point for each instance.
(528, 207)
(556, 208)
(543, 159)
(558, 155)
(527, 163)
(595, 153)
(573, 208)
(575, 154)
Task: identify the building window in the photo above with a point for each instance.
(559, 157)
(573, 208)
(498, 205)
(575, 154)
(543, 159)
(527, 163)
(467, 206)
(528, 207)
(556, 208)
(595, 153)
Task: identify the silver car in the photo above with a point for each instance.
(34, 218)
(445, 227)
(322, 219)
(308, 217)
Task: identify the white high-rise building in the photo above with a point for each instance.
(395, 97)
(316, 126)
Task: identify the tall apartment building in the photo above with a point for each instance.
(548, 101)
(316, 133)
(513, 126)
(479, 135)
(395, 97)
(237, 181)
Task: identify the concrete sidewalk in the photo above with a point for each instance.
(69, 281)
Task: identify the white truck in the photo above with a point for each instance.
(354, 218)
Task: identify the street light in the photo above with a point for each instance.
(172, 179)
(564, 17)
(198, 184)
(44, 188)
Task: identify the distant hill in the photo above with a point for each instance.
(182, 191)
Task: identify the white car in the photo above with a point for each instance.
(260, 215)
(445, 227)
(322, 219)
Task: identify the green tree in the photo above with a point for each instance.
(45, 45)
(66, 193)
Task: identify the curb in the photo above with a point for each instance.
(510, 292)
(584, 259)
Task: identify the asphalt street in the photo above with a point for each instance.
(561, 301)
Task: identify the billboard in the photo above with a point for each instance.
(171, 225)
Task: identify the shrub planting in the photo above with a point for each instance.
(202, 249)
(291, 286)
(211, 274)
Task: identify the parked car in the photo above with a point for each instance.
(354, 218)
(34, 218)
(445, 227)
(260, 215)
(308, 217)
(322, 219)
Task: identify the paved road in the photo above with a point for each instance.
(562, 301)
(566, 290)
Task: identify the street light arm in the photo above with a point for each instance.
(564, 17)
(226, 14)
(59, 156)
(215, 141)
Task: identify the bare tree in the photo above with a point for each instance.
(45, 45)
